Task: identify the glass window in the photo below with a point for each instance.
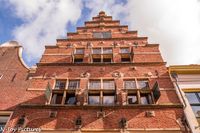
(60, 84)
(78, 60)
(70, 99)
(108, 100)
(129, 84)
(102, 34)
(96, 60)
(143, 84)
(108, 84)
(192, 98)
(124, 50)
(125, 59)
(95, 84)
(107, 50)
(108, 60)
(146, 99)
(3, 121)
(73, 84)
(196, 110)
(132, 99)
(96, 51)
(94, 99)
(56, 98)
(79, 51)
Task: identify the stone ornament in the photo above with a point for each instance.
(85, 75)
(117, 74)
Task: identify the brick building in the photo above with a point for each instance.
(102, 78)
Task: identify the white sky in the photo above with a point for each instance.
(174, 24)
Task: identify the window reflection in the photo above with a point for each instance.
(192, 98)
(108, 84)
(94, 99)
(108, 100)
(142, 84)
(132, 99)
(95, 84)
(129, 84)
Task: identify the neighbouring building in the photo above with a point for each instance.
(102, 78)
(186, 79)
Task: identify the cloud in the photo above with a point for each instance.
(43, 22)
(174, 24)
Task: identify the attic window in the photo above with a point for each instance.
(102, 34)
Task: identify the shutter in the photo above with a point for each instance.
(48, 92)
(156, 91)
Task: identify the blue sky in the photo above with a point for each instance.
(36, 23)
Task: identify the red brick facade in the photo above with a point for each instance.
(143, 62)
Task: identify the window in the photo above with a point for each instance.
(3, 121)
(124, 51)
(94, 99)
(95, 84)
(104, 93)
(78, 60)
(194, 100)
(57, 98)
(136, 94)
(60, 84)
(143, 84)
(107, 51)
(79, 51)
(125, 59)
(96, 60)
(96, 51)
(132, 99)
(102, 34)
(70, 99)
(73, 84)
(129, 84)
(107, 60)
(108, 99)
(108, 84)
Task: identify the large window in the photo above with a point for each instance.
(78, 55)
(102, 34)
(79, 51)
(125, 55)
(101, 92)
(65, 95)
(138, 91)
(102, 55)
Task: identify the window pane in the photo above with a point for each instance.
(108, 100)
(107, 50)
(124, 50)
(196, 109)
(96, 51)
(56, 98)
(102, 34)
(130, 84)
(142, 84)
(60, 84)
(108, 84)
(125, 59)
(95, 84)
(109, 60)
(132, 99)
(96, 59)
(73, 84)
(106, 34)
(70, 99)
(78, 60)
(79, 51)
(192, 98)
(94, 100)
(3, 121)
(146, 99)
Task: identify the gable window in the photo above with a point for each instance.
(95, 84)
(70, 98)
(79, 51)
(108, 99)
(60, 84)
(107, 50)
(57, 98)
(108, 84)
(129, 84)
(96, 51)
(94, 99)
(102, 35)
(143, 84)
(125, 55)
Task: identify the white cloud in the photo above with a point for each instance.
(174, 24)
(44, 21)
